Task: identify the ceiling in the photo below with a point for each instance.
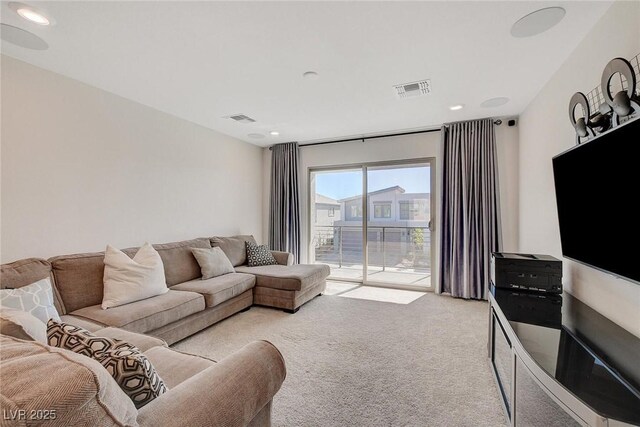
(202, 61)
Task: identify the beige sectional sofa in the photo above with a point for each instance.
(191, 304)
(202, 392)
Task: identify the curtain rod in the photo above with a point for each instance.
(364, 138)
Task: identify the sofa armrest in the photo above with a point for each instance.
(283, 258)
(230, 393)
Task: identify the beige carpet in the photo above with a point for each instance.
(357, 360)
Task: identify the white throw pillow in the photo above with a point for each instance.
(36, 298)
(23, 325)
(127, 280)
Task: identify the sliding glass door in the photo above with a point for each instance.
(372, 223)
(398, 231)
(336, 222)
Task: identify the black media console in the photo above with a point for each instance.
(557, 362)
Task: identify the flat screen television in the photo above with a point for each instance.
(598, 198)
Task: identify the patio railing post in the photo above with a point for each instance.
(340, 247)
(384, 252)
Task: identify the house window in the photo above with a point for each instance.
(356, 212)
(413, 210)
(332, 212)
(381, 210)
(405, 208)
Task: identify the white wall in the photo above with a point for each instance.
(82, 167)
(402, 148)
(545, 131)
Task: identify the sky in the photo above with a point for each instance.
(342, 184)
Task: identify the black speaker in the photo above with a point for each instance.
(511, 122)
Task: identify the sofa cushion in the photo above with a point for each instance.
(174, 367)
(81, 322)
(143, 342)
(148, 314)
(78, 278)
(77, 389)
(234, 247)
(25, 272)
(179, 263)
(219, 289)
(289, 277)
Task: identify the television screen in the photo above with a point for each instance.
(598, 197)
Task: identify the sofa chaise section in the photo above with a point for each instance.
(285, 285)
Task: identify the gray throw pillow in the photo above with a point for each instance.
(258, 255)
(36, 298)
(213, 262)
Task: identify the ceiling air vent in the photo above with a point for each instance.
(408, 90)
(240, 118)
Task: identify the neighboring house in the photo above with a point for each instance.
(327, 210)
(388, 207)
(395, 217)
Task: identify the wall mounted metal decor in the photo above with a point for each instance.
(602, 110)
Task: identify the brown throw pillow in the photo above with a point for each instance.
(131, 369)
(258, 255)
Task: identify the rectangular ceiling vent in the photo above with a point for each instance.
(409, 90)
(240, 118)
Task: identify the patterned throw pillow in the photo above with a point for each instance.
(36, 298)
(131, 369)
(258, 255)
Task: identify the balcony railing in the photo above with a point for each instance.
(398, 247)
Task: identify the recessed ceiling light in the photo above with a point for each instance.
(495, 102)
(22, 38)
(456, 107)
(537, 22)
(30, 13)
(311, 75)
(33, 16)
(274, 133)
(256, 135)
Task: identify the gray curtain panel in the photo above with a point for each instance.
(470, 213)
(284, 210)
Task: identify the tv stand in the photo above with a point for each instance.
(557, 362)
